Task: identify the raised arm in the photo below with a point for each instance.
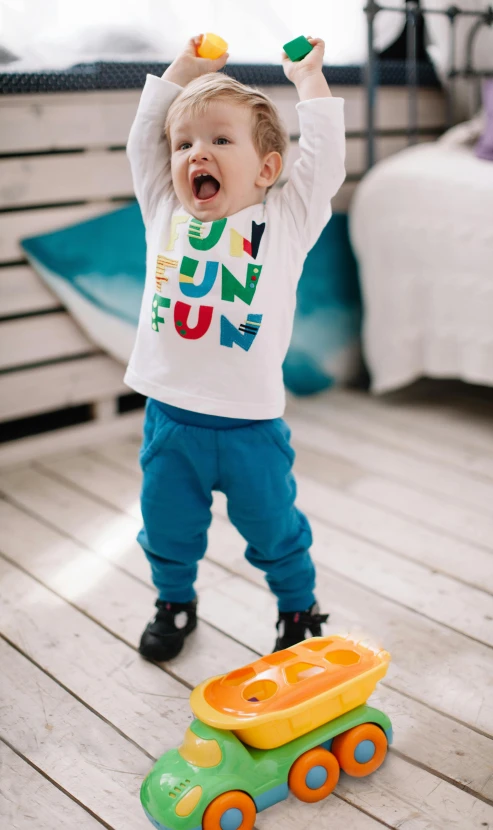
(319, 172)
(147, 146)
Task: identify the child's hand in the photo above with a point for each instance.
(187, 66)
(296, 71)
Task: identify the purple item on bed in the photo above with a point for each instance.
(484, 147)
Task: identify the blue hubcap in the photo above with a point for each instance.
(232, 819)
(316, 778)
(364, 752)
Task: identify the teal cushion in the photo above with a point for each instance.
(97, 269)
(325, 346)
(102, 259)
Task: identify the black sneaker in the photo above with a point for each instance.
(164, 637)
(292, 626)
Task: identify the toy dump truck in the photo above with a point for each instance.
(288, 722)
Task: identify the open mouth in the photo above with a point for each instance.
(205, 187)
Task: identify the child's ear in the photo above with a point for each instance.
(270, 170)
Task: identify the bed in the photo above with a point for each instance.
(422, 231)
(62, 139)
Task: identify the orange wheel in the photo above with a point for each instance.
(234, 810)
(314, 775)
(361, 750)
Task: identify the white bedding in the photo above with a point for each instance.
(422, 229)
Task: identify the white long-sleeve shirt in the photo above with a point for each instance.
(219, 299)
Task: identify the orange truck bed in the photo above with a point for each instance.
(286, 694)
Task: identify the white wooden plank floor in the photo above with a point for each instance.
(400, 495)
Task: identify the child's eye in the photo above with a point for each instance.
(184, 146)
(222, 141)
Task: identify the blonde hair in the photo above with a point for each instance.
(268, 132)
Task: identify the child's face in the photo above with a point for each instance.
(218, 143)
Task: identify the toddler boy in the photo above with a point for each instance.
(224, 255)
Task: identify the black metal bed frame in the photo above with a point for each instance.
(413, 13)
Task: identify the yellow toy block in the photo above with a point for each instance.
(212, 46)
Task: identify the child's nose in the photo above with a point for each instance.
(198, 154)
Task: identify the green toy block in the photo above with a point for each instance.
(298, 48)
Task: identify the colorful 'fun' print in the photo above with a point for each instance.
(231, 287)
(157, 303)
(239, 245)
(242, 336)
(201, 242)
(181, 312)
(162, 263)
(187, 273)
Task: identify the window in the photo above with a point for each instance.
(59, 33)
(200, 752)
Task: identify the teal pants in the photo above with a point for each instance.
(185, 456)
